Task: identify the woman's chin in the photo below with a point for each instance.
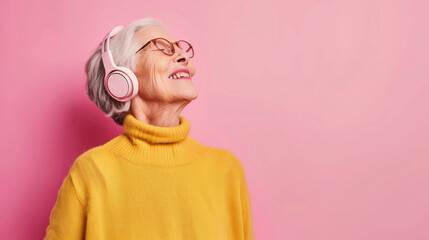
(191, 94)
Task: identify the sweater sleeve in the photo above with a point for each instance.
(68, 218)
(246, 208)
(246, 211)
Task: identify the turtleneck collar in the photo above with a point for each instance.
(137, 130)
(150, 145)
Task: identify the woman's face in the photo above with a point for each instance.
(153, 69)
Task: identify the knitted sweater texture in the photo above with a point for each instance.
(154, 183)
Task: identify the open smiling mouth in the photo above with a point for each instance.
(180, 74)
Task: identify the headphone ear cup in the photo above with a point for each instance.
(117, 85)
(133, 82)
(122, 84)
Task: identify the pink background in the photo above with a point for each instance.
(326, 103)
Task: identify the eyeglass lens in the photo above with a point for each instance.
(185, 46)
(167, 48)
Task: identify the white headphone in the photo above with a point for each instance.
(120, 82)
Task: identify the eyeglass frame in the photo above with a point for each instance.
(171, 43)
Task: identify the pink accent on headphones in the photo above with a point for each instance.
(121, 83)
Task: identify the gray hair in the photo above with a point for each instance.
(123, 46)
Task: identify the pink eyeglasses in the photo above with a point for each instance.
(167, 47)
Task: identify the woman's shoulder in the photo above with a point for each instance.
(90, 158)
(229, 159)
(225, 154)
(92, 153)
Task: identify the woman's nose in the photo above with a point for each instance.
(182, 56)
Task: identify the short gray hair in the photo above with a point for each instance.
(123, 46)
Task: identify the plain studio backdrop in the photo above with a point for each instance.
(326, 104)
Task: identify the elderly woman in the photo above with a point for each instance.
(153, 181)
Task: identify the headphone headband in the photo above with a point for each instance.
(106, 54)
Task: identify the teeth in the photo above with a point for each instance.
(179, 75)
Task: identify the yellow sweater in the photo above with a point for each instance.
(153, 183)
